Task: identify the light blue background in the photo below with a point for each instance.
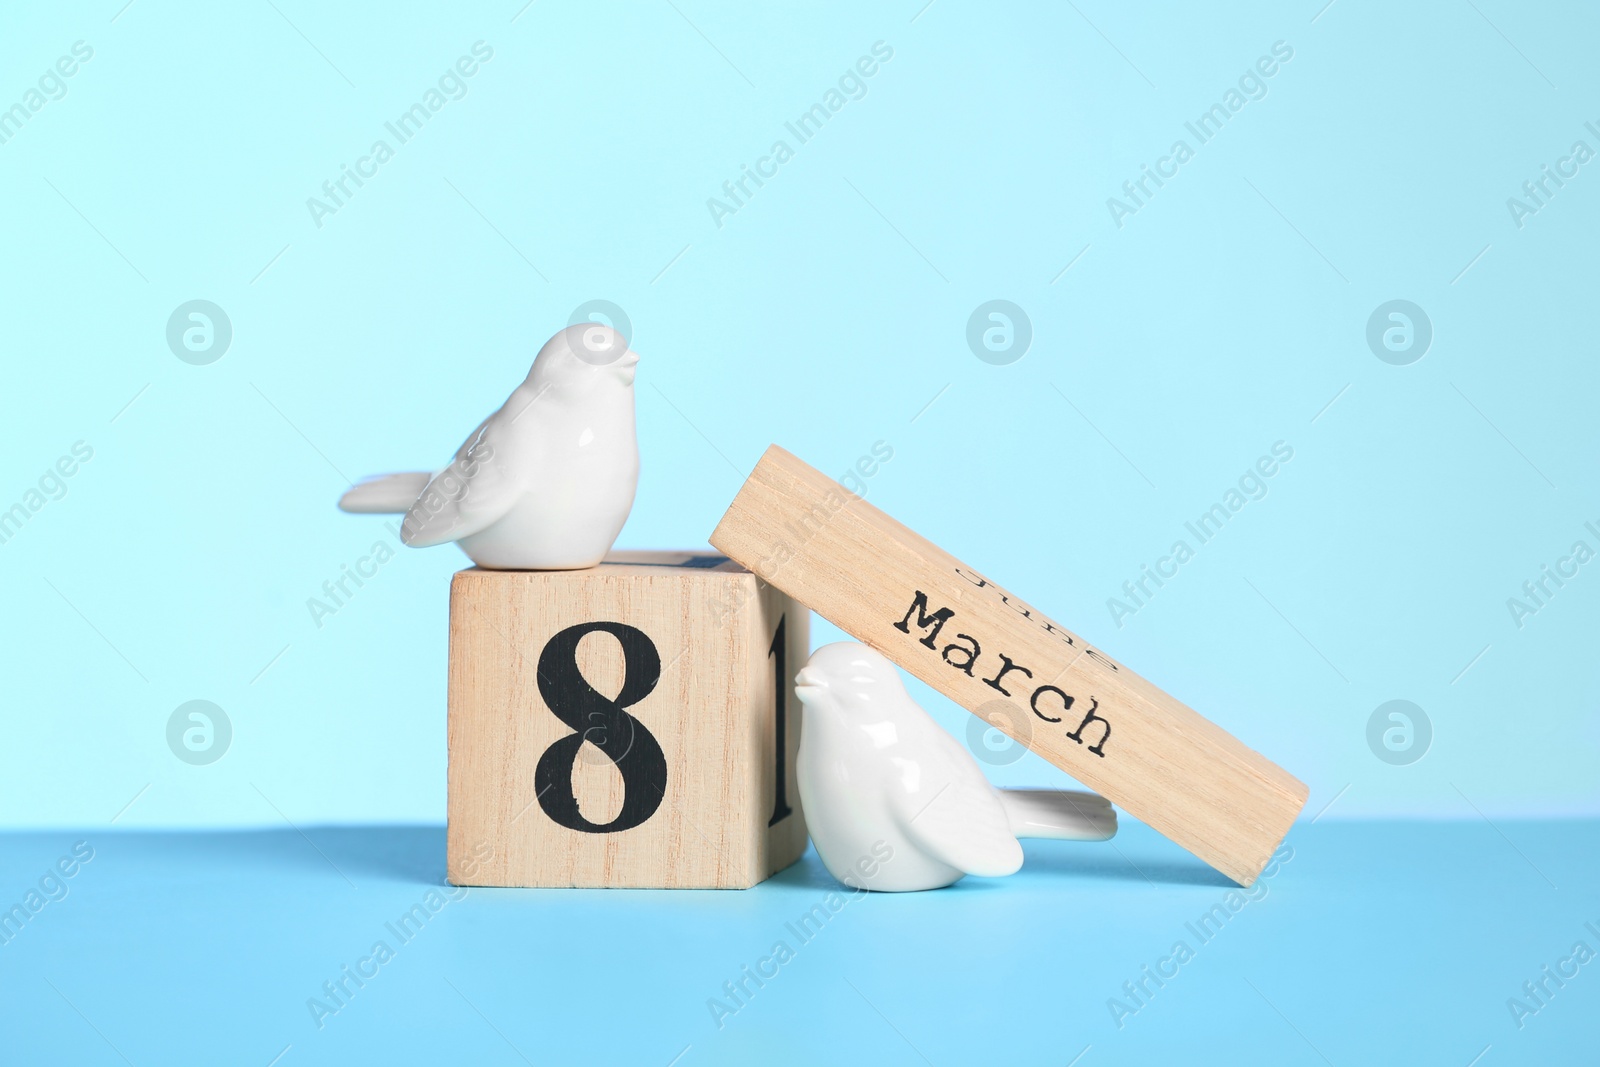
(828, 313)
(1205, 329)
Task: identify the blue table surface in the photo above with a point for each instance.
(1371, 942)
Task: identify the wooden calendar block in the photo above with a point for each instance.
(997, 656)
(630, 725)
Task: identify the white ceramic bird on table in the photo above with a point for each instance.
(544, 483)
(875, 769)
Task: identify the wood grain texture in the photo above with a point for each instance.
(712, 712)
(998, 657)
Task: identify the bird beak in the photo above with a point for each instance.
(808, 687)
(626, 365)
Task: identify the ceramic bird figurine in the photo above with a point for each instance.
(544, 483)
(875, 769)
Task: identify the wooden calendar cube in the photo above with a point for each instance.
(630, 725)
(939, 619)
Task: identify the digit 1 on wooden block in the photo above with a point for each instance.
(624, 726)
(976, 643)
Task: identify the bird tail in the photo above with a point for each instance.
(1059, 814)
(386, 494)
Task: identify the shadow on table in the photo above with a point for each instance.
(1062, 861)
(353, 853)
(394, 853)
(416, 854)
(1106, 862)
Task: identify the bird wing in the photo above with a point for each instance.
(476, 489)
(964, 825)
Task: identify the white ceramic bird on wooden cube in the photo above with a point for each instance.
(876, 770)
(547, 480)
